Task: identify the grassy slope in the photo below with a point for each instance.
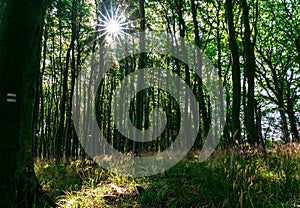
(236, 178)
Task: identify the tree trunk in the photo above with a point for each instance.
(202, 105)
(141, 64)
(292, 118)
(20, 40)
(236, 74)
(69, 122)
(250, 74)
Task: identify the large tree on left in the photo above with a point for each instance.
(21, 24)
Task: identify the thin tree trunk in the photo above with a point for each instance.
(236, 74)
(141, 64)
(292, 118)
(205, 116)
(69, 123)
(250, 74)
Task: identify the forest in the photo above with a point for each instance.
(167, 103)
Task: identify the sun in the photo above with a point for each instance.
(113, 24)
(113, 27)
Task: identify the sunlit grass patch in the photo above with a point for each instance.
(85, 184)
(232, 178)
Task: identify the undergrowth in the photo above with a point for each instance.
(239, 177)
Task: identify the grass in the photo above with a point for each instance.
(239, 177)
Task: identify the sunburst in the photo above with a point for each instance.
(113, 24)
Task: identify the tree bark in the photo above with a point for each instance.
(141, 64)
(250, 74)
(202, 105)
(20, 40)
(236, 74)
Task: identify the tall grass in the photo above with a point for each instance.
(238, 177)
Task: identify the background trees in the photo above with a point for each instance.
(253, 45)
(278, 59)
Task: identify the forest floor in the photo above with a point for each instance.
(239, 177)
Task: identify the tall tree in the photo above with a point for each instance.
(141, 65)
(236, 74)
(20, 40)
(60, 134)
(203, 107)
(250, 74)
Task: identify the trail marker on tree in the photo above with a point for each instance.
(11, 97)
